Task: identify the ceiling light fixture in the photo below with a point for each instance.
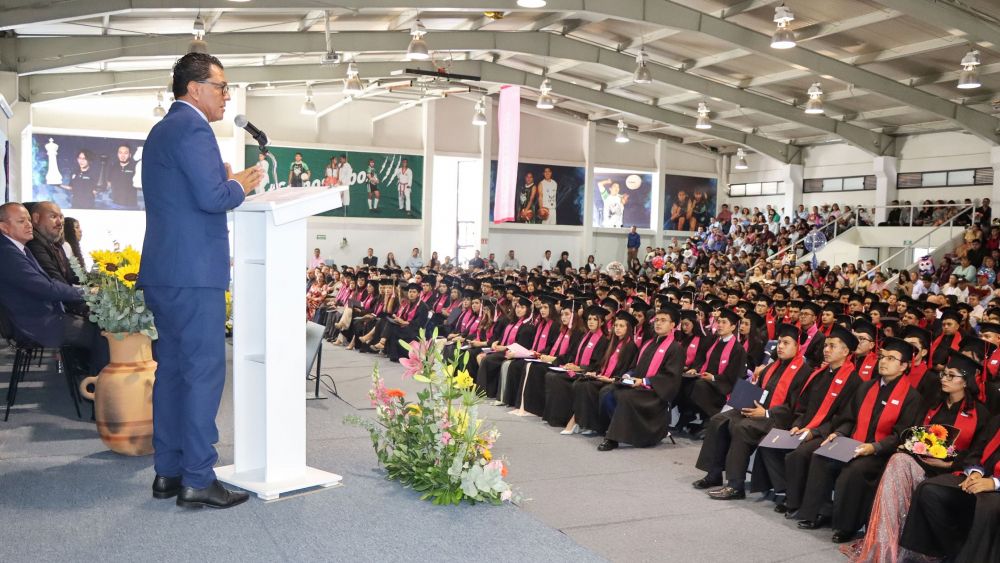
(418, 51)
(970, 71)
(158, 111)
(642, 75)
(703, 121)
(815, 104)
(622, 136)
(353, 84)
(741, 160)
(531, 3)
(198, 44)
(308, 108)
(783, 37)
(479, 119)
(545, 100)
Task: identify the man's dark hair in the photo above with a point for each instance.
(192, 67)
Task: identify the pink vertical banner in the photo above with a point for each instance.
(509, 123)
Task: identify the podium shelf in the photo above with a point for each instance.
(259, 358)
(257, 261)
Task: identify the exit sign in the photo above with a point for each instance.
(320, 237)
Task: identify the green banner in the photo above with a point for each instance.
(381, 185)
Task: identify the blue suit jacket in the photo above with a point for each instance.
(33, 299)
(187, 195)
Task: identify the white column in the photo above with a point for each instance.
(886, 169)
(656, 203)
(19, 134)
(995, 197)
(486, 158)
(238, 101)
(791, 185)
(588, 245)
(426, 199)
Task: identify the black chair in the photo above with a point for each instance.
(25, 354)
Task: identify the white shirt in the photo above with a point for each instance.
(344, 174)
(405, 176)
(18, 245)
(545, 264)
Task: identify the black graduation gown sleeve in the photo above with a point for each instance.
(526, 335)
(812, 397)
(783, 414)
(703, 345)
(735, 369)
(814, 353)
(755, 352)
(910, 411)
(575, 339)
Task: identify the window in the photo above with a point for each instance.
(943, 178)
(755, 189)
(846, 184)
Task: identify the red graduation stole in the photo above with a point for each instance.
(661, 353)
(956, 341)
(915, 375)
(542, 336)
(771, 325)
(724, 359)
(889, 416)
(826, 330)
(990, 368)
(868, 366)
(964, 421)
(991, 448)
(836, 386)
(785, 382)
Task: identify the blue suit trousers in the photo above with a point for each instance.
(190, 376)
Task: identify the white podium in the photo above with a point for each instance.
(269, 342)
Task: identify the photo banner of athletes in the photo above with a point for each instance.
(80, 172)
(622, 199)
(545, 194)
(383, 185)
(689, 202)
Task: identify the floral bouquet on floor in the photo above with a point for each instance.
(116, 306)
(935, 441)
(436, 444)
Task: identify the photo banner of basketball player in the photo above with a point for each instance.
(381, 185)
(622, 199)
(545, 194)
(689, 202)
(81, 172)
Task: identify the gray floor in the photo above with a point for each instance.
(62, 495)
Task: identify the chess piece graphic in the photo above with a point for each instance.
(53, 177)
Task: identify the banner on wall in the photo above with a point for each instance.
(622, 199)
(84, 172)
(689, 202)
(382, 185)
(545, 194)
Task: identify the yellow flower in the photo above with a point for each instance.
(105, 256)
(487, 454)
(938, 451)
(414, 409)
(128, 274)
(463, 380)
(131, 256)
(461, 420)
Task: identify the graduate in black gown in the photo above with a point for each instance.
(826, 392)
(812, 337)
(751, 340)
(547, 330)
(587, 410)
(878, 414)
(639, 405)
(590, 356)
(527, 379)
(989, 380)
(732, 436)
(693, 339)
(958, 516)
(704, 388)
(520, 331)
(920, 376)
(405, 325)
(950, 338)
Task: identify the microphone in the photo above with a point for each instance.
(258, 135)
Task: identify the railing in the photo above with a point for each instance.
(836, 231)
(908, 219)
(950, 224)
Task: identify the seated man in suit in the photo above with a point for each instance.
(47, 248)
(33, 299)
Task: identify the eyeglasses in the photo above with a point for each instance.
(887, 357)
(949, 375)
(224, 86)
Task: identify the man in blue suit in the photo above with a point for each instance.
(32, 298)
(185, 273)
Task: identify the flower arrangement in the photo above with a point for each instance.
(436, 444)
(115, 303)
(933, 441)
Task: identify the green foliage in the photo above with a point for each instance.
(115, 304)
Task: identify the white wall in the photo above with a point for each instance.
(529, 243)
(403, 236)
(942, 151)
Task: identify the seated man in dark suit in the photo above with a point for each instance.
(33, 299)
(47, 248)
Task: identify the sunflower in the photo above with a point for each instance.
(128, 274)
(105, 257)
(130, 256)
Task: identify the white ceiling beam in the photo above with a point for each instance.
(311, 18)
(105, 24)
(949, 16)
(745, 6)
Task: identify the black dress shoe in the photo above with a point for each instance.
(819, 522)
(840, 536)
(791, 514)
(166, 487)
(728, 493)
(212, 496)
(781, 509)
(607, 445)
(706, 483)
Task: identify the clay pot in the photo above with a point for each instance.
(123, 395)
